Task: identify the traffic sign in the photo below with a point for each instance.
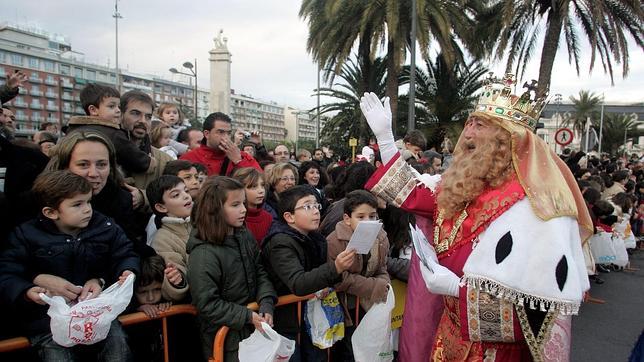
(563, 136)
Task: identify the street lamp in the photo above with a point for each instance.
(558, 103)
(193, 73)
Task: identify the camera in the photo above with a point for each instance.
(246, 135)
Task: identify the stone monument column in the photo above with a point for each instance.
(220, 75)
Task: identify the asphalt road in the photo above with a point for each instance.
(607, 332)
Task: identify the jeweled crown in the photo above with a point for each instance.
(498, 101)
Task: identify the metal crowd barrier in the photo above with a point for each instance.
(18, 343)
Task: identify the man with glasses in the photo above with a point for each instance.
(217, 152)
(281, 154)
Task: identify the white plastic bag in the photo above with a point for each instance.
(602, 248)
(621, 255)
(266, 347)
(89, 321)
(325, 320)
(371, 340)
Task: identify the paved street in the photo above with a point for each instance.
(608, 332)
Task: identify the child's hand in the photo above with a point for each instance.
(58, 286)
(173, 275)
(33, 294)
(91, 289)
(344, 260)
(137, 196)
(323, 293)
(257, 322)
(150, 310)
(124, 276)
(162, 307)
(268, 319)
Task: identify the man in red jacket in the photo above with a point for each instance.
(217, 151)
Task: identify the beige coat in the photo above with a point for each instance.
(170, 243)
(368, 283)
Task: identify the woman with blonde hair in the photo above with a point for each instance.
(281, 177)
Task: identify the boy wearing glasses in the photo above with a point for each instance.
(217, 151)
(295, 257)
(367, 276)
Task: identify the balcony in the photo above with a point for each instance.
(36, 106)
(51, 95)
(36, 93)
(21, 117)
(67, 85)
(67, 97)
(67, 109)
(20, 104)
(22, 90)
(52, 119)
(51, 81)
(52, 108)
(79, 110)
(35, 80)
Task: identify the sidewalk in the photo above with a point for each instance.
(608, 332)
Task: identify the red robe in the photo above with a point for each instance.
(452, 339)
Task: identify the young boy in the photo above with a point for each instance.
(172, 205)
(102, 102)
(295, 257)
(68, 251)
(367, 276)
(145, 339)
(187, 171)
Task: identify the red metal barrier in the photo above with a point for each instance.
(18, 343)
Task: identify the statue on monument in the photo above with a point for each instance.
(220, 40)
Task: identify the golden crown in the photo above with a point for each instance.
(498, 101)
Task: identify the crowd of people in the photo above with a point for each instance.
(211, 217)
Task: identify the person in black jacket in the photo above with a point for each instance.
(295, 257)
(91, 155)
(69, 251)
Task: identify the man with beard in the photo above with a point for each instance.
(506, 256)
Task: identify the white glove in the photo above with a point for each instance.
(378, 117)
(441, 281)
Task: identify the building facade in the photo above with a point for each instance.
(57, 74)
(255, 115)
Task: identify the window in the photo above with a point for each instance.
(50, 79)
(16, 59)
(102, 76)
(49, 66)
(51, 103)
(78, 72)
(91, 74)
(2, 56)
(64, 69)
(34, 63)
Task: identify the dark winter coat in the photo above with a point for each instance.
(223, 279)
(296, 264)
(101, 250)
(128, 154)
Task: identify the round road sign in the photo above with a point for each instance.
(563, 136)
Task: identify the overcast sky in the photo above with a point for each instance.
(267, 40)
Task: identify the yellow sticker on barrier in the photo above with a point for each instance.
(400, 291)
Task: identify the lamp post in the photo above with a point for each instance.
(558, 103)
(193, 73)
(116, 17)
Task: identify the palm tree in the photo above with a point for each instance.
(348, 90)
(616, 127)
(335, 25)
(446, 94)
(585, 107)
(605, 24)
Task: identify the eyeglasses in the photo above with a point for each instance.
(286, 178)
(309, 207)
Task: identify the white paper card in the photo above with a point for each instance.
(364, 236)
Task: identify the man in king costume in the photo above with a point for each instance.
(508, 226)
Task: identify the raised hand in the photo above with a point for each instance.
(378, 115)
(16, 79)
